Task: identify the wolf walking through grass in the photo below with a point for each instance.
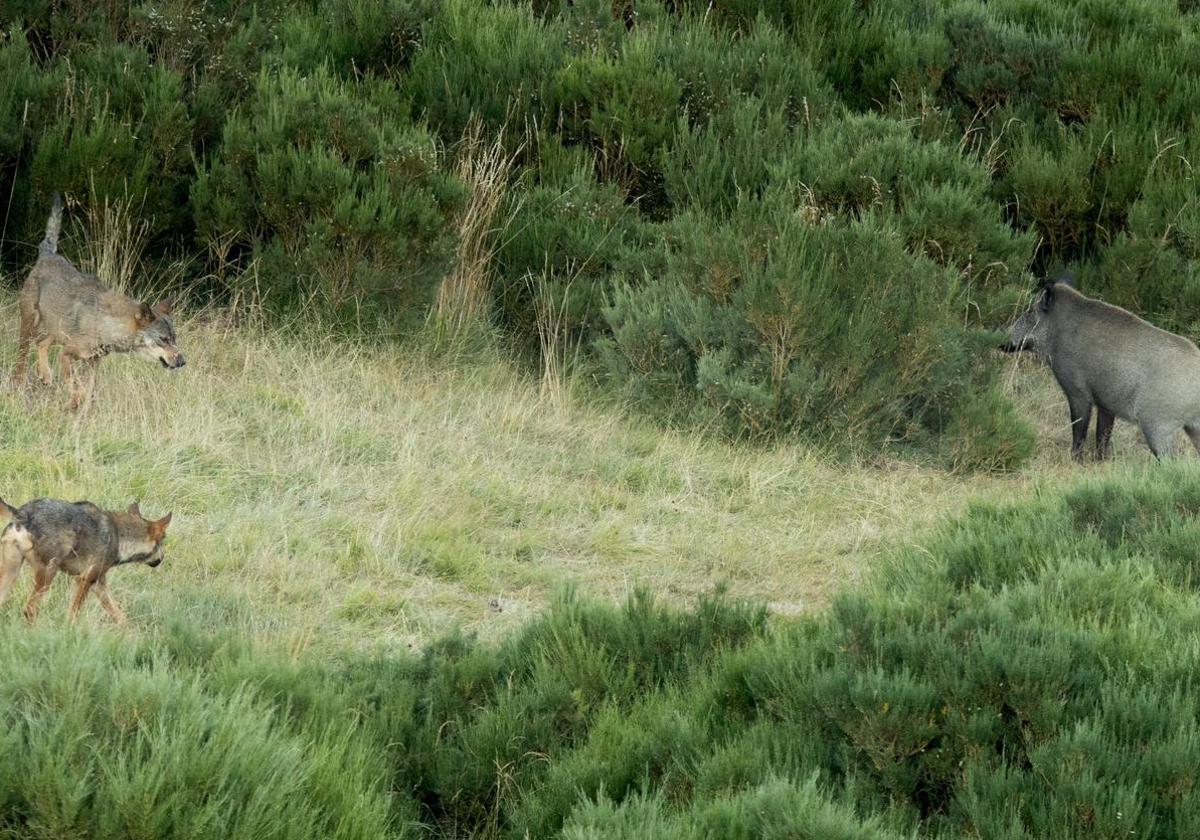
(62, 306)
(80, 539)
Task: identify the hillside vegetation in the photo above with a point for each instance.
(592, 426)
(764, 218)
(1022, 670)
(332, 495)
(293, 669)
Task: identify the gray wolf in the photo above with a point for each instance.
(62, 306)
(77, 538)
(1110, 359)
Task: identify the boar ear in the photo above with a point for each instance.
(1047, 297)
(135, 510)
(163, 307)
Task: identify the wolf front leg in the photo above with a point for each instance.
(83, 585)
(108, 602)
(82, 378)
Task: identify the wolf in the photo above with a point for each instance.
(77, 538)
(61, 306)
(1108, 358)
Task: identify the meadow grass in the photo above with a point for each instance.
(341, 496)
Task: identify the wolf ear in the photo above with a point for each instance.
(145, 315)
(163, 307)
(135, 510)
(159, 527)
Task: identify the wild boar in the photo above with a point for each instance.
(1106, 357)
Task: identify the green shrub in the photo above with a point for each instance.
(986, 433)
(496, 63)
(1029, 671)
(99, 744)
(354, 37)
(335, 197)
(27, 103)
(570, 230)
(121, 132)
(828, 333)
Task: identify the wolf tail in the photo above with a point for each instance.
(53, 227)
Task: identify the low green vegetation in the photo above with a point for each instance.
(1028, 671)
(591, 426)
(768, 219)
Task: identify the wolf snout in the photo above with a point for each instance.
(155, 563)
(176, 364)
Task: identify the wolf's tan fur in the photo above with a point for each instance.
(62, 306)
(77, 538)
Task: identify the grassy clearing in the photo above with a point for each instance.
(338, 497)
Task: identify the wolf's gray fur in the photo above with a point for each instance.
(60, 305)
(77, 538)
(1106, 357)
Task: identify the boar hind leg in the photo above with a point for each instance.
(1104, 427)
(1193, 433)
(1161, 439)
(1081, 416)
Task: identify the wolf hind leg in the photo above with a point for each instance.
(43, 576)
(27, 334)
(12, 555)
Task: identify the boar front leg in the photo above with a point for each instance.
(1104, 427)
(1081, 417)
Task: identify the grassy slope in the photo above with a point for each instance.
(329, 497)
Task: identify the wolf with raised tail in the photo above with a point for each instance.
(62, 306)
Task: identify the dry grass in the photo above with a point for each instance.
(332, 496)
(484, 167)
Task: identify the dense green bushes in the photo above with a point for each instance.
(1028, 672)
(302, 152)
(338, 205)
(107, 738)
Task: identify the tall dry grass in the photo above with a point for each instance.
(484, 165)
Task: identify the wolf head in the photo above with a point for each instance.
(141, 539)
(156, 336)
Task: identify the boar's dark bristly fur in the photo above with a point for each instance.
(1106, 357)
